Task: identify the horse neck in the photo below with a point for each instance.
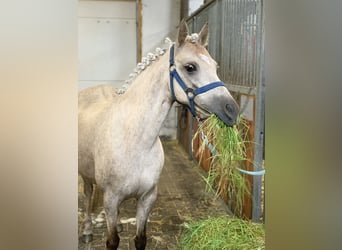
(149, 99)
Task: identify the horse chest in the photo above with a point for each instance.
(131, 172)
(146, 169)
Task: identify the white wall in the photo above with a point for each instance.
(107, 42)
(160, 20)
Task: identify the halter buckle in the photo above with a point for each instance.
(190, 93)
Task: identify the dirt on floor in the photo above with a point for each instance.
(181, 198)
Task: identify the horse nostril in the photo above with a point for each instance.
(229, 108)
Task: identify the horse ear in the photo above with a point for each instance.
(183, 32)
(204, 35)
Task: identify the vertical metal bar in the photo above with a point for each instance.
(230, 33)
(239, 40)
(241, 17)
(226, 40)
(259, 117)
(243, 44)
(258, 29)
(235, 36)
(249, 36)
(227, 52)
(224, 70)
(191, 136)
(255, 29)
(218, 31)
(236, 42)
(191, 122)
(214, 15)
(229, 36)
(241, 23)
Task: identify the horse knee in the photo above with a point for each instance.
(112, 242)
(140, 242)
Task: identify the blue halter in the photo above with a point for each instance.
(191, 93)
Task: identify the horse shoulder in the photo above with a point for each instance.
(93, 106)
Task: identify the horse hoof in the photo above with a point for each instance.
(87, 238)
(119, 228)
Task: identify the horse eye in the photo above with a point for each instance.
(190, 68)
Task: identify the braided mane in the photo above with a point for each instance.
(141, 66)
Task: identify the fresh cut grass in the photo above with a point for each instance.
(229, 144)
(218, 233)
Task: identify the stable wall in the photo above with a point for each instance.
(107, 48)
(160, 19)
(109, 36)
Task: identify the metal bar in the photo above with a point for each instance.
(235, 36)
(240, 44)
(255, 57)
(191, 122)
(241, 89)
(259, 118)
(191, 136)
(224, 42)
(243, 44)
(249, 39)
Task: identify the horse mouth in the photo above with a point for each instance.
(202, 112)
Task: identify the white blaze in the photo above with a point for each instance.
(204, 58)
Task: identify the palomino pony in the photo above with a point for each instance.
(119, 146)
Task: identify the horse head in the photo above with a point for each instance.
(195, 71)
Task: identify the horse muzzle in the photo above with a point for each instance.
(229, 112)
(226, 109)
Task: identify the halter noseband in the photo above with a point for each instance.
(191, 93)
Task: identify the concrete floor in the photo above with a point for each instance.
(181, 197)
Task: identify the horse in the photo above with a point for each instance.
(119, 146)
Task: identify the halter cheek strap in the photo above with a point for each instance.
(191, 93)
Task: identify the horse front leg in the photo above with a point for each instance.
(111, 206)
(87, 231)
(144, 207)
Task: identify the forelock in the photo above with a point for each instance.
(193, 38)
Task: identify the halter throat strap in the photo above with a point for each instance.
(190, 93)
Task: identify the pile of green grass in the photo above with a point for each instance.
(224, 178)
(222, 233)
